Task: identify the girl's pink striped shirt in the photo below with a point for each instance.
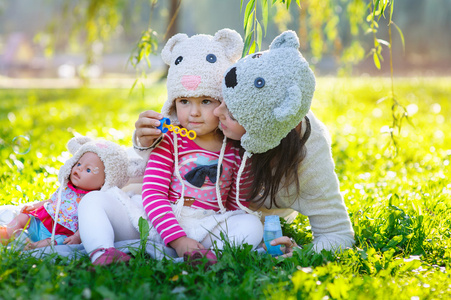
(161, 186)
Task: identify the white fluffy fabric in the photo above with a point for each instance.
(197, 64)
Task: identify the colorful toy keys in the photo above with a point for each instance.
(165, 126)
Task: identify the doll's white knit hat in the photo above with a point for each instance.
(197, 64)
(113, 156)
(269, 93)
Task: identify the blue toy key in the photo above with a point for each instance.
(165, 126)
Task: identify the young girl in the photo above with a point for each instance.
(95, 165)
(185, 184)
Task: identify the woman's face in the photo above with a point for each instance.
(230, 127)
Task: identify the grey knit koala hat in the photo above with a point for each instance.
(269, 93)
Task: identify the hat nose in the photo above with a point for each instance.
(230, 78)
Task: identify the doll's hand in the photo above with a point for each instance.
(287, 245)
(30, 207)
(38, 244)
(146, 131)
(73, 239)
(185, 244)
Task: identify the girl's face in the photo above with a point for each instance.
(229, 126)
(196, 113)
(88, 173)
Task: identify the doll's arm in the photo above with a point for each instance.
(38, 244)
(30, 207)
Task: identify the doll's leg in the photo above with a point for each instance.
(17, 223)
(102, 221)
(238, 229)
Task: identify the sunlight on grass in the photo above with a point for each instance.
(399, 204)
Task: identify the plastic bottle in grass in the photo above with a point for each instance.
(272, 230)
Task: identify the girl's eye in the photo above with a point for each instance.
(206, 101)
(184, 101)
(231, 117)
(88, 170)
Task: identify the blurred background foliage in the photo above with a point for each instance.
(334, 34)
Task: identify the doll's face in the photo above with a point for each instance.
(88, 173)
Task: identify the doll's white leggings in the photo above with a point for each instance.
(104, 220)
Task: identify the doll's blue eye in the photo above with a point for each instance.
(211, 58)
(178, 60)
(259, 82)
(88, 170)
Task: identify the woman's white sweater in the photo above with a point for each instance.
(319, 199)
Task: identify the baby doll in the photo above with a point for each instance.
(96, 165)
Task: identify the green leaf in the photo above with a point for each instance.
(144, 229)
(377, 63)
(248, 27)
(392, 5)
(288, 2)
(401, 35)
(265, 15)
(247, 44)
(252, 48)
(259, 36)
(376, 6)
(247, 13)
(133, 86)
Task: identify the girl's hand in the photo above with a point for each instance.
(185, 244)
(145, 126)
(73, 239)
(288, 245)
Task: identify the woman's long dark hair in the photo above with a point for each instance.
(282, 162)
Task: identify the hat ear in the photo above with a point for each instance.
(289, 105)
(285, 40)
(231, 41)
(136, 167)
(75, 143)
(167, 50)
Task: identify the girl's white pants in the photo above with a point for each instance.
(104, 220)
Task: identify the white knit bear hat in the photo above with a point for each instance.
(197, 65)
(118, 168)
(269, 93)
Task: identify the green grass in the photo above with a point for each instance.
(400, 205)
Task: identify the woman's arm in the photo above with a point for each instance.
(320, 198)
